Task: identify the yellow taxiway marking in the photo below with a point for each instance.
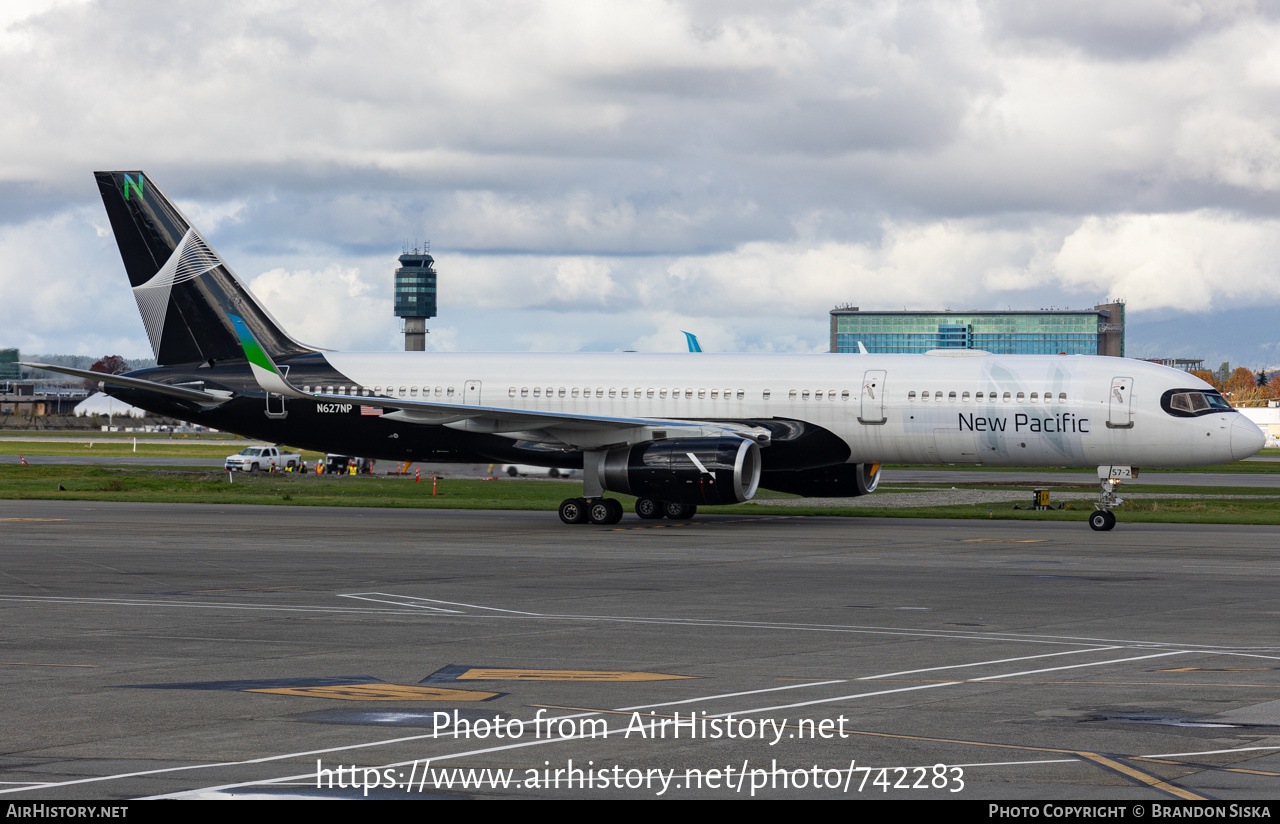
(1101, 760)
(242, 589)
(1141, 776)
(1199, 669)
(1004, 540)
(493, 674)
(36, 520)
(380, 692)
(706, 523)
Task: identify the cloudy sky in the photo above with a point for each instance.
(600, 176)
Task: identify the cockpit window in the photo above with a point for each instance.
(1188, 403)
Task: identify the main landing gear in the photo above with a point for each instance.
(607, 511)
(594, 508)
(601, 511)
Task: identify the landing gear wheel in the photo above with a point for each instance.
(604, 511)
(679, 512)
(1102, 520)
(649, 509)
(573, 511)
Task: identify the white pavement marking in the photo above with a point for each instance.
(483, 751)
(856, 629)
(983, 663)
(1091, 664)
(434, 601)
(364, 597)
(945, 684)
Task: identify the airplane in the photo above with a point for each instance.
(676, 432)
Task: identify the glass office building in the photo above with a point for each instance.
(1097, 331)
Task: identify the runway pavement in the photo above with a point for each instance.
(198, 651)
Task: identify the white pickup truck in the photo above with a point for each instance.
(255, 458)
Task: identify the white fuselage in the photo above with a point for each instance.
(1033, 410)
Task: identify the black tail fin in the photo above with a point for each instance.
(185, 290)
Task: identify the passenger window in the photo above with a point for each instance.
(951, 396)
(613, 393)
(804, 395)
(1021, 397)
(561, 392)
(413, 391)
(662, 393)
(575, 391)
(688, 393)
(537, 391)
(792, 394)
(524, 391)
(449, 391)
(765, 394)
(702, 393)
(911, 396)
(715, 393)
(1007, 397)
(965, 396)
(844, 396)
(1034, 397)
(1062, 397)
(742, 393)
(403, 391)
(626, 393)
(649, 393)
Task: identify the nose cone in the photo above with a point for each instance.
(1246, 438)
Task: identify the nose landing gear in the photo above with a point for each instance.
(1109, 478)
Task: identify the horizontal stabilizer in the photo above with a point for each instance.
(180, 392)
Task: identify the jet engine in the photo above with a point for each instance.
(839, 481)
(689, 470)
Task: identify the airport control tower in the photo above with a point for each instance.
(415, 299)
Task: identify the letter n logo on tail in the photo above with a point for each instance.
(135, 184)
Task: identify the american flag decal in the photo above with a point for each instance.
(370, 410)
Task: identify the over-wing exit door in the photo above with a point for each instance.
(872, 410)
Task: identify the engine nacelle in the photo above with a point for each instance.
(686, 471)
(839, 481)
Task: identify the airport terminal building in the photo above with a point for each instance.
(1096, 331)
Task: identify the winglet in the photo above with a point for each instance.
(265, 371)
(693, 342)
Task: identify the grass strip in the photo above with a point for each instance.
(211, 487)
